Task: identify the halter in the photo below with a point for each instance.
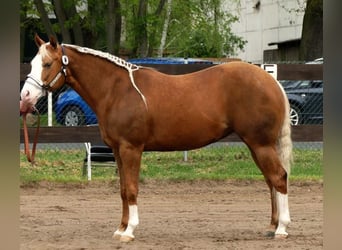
(47, 87)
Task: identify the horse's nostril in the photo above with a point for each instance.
(27, 93)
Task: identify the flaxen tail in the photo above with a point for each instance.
(285, 142)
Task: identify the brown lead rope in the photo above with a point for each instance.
(30, 157)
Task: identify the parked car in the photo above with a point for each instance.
(72, 110)
(306, 101)
(316, 61)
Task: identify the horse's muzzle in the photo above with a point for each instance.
(26, 107)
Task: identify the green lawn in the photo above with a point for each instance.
(209, 163)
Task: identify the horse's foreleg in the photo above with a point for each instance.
(129, 178)
(133, 222)
(124, 219)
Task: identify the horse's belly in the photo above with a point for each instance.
(186, 136)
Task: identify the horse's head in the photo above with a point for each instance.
(48, 73)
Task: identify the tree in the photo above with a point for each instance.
(143, 24)
(62, 19)
(140, 30)
(311, 46)
(141, 27)
(113, 26)
(44, 17)
(205, 31)
(157, 24)
(73, 20)
(165, 29)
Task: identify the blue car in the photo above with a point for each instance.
(72, 110)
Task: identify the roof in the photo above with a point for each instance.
(297, 40)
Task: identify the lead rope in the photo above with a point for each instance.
(30, 157)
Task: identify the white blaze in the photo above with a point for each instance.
(31, 91)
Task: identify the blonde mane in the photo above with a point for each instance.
(105, 55)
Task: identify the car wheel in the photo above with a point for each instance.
(294, 115)
(73, 116)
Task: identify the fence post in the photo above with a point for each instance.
(185, 157)
(50, 109)
(88, 148)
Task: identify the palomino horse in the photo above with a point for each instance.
(140, 109)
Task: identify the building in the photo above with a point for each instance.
(272, 28)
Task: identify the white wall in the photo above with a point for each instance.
(272, 21)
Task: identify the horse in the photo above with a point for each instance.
(141, 109)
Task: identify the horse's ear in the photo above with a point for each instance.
(38, 40)
(53, 42)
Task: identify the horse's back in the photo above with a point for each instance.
(233, 87)
(206, 105)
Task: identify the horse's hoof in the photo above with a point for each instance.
(280, 236)
(270, 233)
(125, 238)
(116, 236)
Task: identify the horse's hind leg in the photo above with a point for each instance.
(284, 215)
(267, 159)
(274, 214)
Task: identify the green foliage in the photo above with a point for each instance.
(197, 28)
(205, 31)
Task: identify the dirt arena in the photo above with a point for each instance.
(173, 215)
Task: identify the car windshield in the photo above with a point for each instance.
(309, 84)
(290, 84)
(302, 84)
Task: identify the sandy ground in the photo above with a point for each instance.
(183, 215)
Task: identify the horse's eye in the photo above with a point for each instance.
(47, 65)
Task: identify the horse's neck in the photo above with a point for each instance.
(91, 79)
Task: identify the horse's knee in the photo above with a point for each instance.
(132, 194)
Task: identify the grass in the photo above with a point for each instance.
(210, 163)
(32, 120)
